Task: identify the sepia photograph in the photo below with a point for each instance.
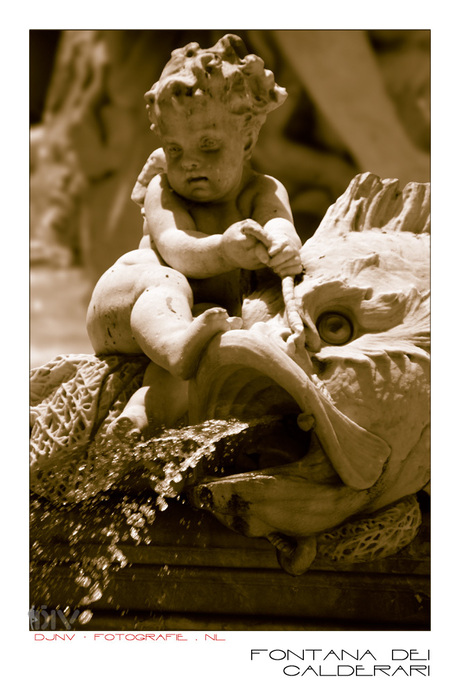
(229, 308)
(230, 329)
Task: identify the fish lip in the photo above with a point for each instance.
(357, 456)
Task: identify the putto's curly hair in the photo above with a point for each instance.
(226, 73)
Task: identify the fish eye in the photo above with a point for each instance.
(334, 328)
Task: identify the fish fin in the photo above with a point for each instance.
(360, 455)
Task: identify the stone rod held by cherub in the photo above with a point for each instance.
(303, 331)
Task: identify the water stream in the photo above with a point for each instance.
(87, 538)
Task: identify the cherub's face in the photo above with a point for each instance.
(205, 152)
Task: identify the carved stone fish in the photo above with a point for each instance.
(356, 380)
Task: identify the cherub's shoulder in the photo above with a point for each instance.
(155, 187)
(160, 195)
(160, 182)
(264, 183)
(265, 187)
(155, 165)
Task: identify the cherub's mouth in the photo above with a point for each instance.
(194, 180)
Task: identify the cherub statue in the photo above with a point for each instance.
(207, 216)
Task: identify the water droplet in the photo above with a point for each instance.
(84, 581)
(85, 616)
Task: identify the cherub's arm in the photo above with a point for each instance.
(189, 251)
(273, 212)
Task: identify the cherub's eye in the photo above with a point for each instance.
(209, 144)
(173, 150)
(334, 328)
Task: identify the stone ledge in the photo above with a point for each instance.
(196, 570)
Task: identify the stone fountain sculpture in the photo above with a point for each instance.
(335, 361)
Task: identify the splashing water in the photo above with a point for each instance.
(89, 538)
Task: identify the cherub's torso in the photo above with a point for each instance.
(214, 218)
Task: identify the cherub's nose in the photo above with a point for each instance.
(189, 162)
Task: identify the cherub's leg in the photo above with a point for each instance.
(161, 402)
(141, 306)
(163, 326)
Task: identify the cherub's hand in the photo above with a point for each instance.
(242, 249)
(281, 243)
(284, 257)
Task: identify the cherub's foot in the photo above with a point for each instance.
(124, 429)
(185, 349)
(235, 323)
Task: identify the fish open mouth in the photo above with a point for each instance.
(272, 436)
(244, 375)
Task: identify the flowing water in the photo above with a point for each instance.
(88, 538)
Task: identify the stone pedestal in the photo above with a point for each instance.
(196, 575)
